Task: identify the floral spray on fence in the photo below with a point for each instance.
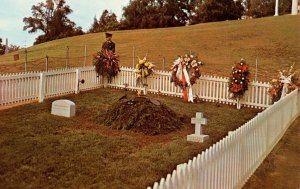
(286, 82)
(143, 69)
(239, 80)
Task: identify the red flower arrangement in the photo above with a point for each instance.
(276, 90)
(107, 64)
(238, 82)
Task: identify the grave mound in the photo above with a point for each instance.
(142, 114)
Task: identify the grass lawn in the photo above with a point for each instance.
(40, 150)
(281, 168)
(274, 41)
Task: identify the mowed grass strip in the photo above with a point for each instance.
(40, 150)
(273, 41)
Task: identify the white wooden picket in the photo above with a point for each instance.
(60, 82)
(230, 162)
(16, 88)
(19, 87)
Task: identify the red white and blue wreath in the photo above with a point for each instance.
(107, 64)
(185, 72)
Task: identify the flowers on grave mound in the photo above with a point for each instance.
(107, 64)
(238, 82)
(143, 68)
(286, 82)
(185, 72)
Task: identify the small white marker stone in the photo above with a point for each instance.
(65, 108)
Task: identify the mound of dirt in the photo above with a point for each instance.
(144, 115)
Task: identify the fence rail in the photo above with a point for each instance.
(231, 161)
(30, 86)
(209, 88)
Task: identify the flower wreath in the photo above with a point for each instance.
(144, 68)
(107, 63)
(192, 65)
(238, 82)
(286, 82)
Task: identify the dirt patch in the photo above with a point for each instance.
(144, 115)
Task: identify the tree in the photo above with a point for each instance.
(262, 8)
(217, 10)
(156, 13)
(95, 26)
(107, 22)
(11, 48)
(140, 14)
(51, 18)
(178, 11)
(285, 7)
(2, 47)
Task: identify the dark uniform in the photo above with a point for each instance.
(108, 62)
(109, 45)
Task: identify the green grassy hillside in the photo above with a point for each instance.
(273, 41)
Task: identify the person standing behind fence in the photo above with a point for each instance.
(106, 61)
(108, 44)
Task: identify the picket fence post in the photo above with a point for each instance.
(105, 81)
(238, 103)
(77, 82)
(42, 87)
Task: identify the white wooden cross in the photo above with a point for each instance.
(198, 120)
(198, 136)
(286, 81)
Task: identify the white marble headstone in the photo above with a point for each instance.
(65, 108)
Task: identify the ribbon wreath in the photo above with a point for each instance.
(185, 72)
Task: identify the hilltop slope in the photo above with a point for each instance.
(274, 41)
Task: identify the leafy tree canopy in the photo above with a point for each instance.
(51, 19)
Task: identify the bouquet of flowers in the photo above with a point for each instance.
(107, 63)
(238, 82)
(276, 90)
(144, 68)
(185, 72)
(287, 81)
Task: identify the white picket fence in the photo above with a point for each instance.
(30, 86)
(209, 88)
(33, 86)
(230, 162)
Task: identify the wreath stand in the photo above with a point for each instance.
(238, 103)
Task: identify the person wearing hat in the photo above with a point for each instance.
(108, 44)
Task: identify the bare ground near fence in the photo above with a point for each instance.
(281, 169)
